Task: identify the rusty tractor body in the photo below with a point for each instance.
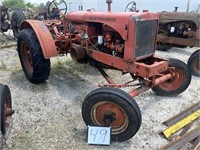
(123, 41)
(181, 29)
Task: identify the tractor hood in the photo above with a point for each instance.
(118, 21)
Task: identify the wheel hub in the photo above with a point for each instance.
(175, 82)
(109, 118)
(197, 64)
(28, 62)
(8, 112)
(109, 114)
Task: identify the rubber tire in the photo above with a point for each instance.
(187, 79)
(191, 61)
(4, 93)
(122, 99)
(17, 18)
(41, 66)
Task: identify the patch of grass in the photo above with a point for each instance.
(58, 67)
(30, 109)
(70, 66)
(2, 65)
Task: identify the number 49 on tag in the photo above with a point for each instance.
(99, 135)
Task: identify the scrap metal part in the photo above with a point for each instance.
(182, 114)
(182, 121)
(180, 142)
(179, 125)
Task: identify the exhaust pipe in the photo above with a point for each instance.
(109, 5)
(188, 6)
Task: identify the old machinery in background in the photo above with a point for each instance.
(181, 29)
(5, 19)
(11, 21)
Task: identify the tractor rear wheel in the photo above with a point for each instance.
(178, 83)
(35, 66)
(114, 108)
(194, 63)
(5, 108)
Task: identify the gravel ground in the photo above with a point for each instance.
(48, 116)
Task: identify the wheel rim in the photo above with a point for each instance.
(7, 112)
(110, 114)
(26, 57)
(196, 65)
(175, 82)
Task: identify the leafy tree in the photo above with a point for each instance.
(13, 4)
(30, 5)
(41, 5)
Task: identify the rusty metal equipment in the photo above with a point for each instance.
(181, 121)
(123, 41)
(180, 29)
(182, 114)
(189, 141)
(11, 22)
(178, 130)
(5, 24)
(14, 21)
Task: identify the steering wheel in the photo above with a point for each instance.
(54, 11)
(131, 7)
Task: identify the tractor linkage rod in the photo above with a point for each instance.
(143, 87)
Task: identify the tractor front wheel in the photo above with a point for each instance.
(114, 108)
(178, 83)
(5, 108)
(35, 66)
(194, 63)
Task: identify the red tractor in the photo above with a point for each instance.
(123, 41)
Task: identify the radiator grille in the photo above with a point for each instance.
(146, 32)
